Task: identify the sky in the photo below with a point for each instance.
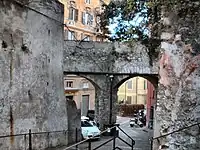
(136, 21)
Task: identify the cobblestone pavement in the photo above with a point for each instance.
(140, 135)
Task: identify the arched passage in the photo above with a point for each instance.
(82, 90)
(80, 99)
(138, 92)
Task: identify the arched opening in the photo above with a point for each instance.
(135, 94)
(82, 91)
(80, 101)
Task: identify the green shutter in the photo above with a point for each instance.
(76, 14)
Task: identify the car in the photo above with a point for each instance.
(89, 129)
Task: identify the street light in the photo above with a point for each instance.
(111, 86)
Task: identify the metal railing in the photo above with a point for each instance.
(28, 140)
(170, 133)
(88, 141)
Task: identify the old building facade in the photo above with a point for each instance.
(82, 19)
(81, 91)
(82, 22)
(133, 91)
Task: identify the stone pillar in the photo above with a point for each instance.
(179, 84)
(74, 125)
(103, 101)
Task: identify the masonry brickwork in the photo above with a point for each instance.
(106, 59)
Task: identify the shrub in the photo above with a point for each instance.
(129, 109)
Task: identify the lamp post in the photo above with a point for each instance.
(111, 100)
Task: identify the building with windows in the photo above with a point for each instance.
(81, 91)
(82, 19)
(133, 91)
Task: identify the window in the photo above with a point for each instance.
(71, 35)
(129, 84)
(87, 38)
(129, 99)
(87, 18)
(69, 84)
(134, 99)
(145, 85)
(73, 14)
(85, 85)
(87, 1)
(85, 123)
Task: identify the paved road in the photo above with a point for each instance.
(140, 135)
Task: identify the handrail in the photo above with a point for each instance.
(117, 126)
(103, 143)
(126, 134)
(154, 138)
(76, 144)
(34, 133)
(109, 140)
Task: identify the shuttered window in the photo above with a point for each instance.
(87, 18)
(73, 14)
(83, 18)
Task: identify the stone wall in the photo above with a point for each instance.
(179, 85)
(81, 56)
(85, 58)
(31, 54)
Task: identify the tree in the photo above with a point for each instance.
(135, 19)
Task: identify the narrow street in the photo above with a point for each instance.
(140, 135)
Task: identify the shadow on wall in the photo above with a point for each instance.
(74, 123)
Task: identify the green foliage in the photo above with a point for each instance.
(128, 10)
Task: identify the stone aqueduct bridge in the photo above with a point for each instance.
(107, 66)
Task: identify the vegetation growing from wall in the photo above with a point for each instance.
(128, 10)
(147, 25)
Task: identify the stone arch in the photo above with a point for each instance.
(153, 78)
(85, 76)
(151, 97)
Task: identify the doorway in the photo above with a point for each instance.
(85, 105)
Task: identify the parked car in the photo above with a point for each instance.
(89, 129)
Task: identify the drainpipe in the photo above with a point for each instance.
(125, 93)
(111, 100)
(136, 90)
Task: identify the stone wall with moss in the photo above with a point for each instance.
(179, 84)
